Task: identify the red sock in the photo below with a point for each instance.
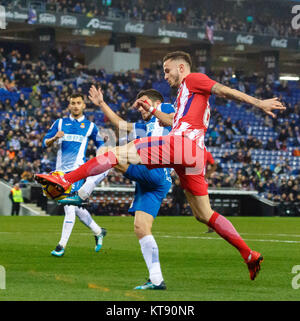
(226, 230)
(94, 166)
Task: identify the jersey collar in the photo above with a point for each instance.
(183, 80)
(79, 119)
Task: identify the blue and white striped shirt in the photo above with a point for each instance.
(73, 145)
(152, 127)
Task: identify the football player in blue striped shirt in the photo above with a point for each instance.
(151, 187)
(72, 135)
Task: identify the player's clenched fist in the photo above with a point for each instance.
(59, 134)
(141, 103)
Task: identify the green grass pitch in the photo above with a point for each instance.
(196, 266)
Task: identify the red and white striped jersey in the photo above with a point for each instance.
(192, 104)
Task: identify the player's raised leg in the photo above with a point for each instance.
(87, 188)
(147, 151)
(203, 212)
(126, 154)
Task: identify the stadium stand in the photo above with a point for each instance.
(253, 151)
(244, 16)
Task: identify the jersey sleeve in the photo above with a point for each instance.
(199, 83)
(139, 130)
(167, 108)
(209, 158)
(96, 137)
(51, 132)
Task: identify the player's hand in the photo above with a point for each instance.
(268, 105)
(96, 95)
(59, 134)
(162, 124)
(141, 104)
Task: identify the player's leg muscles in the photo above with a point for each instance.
(203, 212)
(126, 154)
(102, 150)
(120, 167)
(143, 224)
(200, 206)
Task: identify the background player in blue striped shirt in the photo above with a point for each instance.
(152, 186)
(72, 135)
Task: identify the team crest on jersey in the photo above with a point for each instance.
(150, 127)
(82, 125)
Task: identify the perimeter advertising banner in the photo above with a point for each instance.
(150, 29)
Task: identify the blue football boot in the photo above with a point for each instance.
(59, 251)
(99, 239)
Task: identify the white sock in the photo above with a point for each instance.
(150, 252)
(86, 218)
(68, 224)
(91, 182)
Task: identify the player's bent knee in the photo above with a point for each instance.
(127, 154)
(203, 216)
(133, 156)
(199, 219)
(141, 230)
(142, 224)
(200, 206)
(102, 150)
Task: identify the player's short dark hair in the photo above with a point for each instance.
(153, 95)
(76, 95)
(175, 55)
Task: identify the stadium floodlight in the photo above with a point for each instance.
(2, 18)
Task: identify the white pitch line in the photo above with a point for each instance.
(158, 234)
(291, 235)
(219, 238)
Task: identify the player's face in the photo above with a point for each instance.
(172, 73)
(76, 107)
(145, 114)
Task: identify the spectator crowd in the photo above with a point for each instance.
(233, 16)
(34, 93)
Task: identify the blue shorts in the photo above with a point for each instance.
(152, 186)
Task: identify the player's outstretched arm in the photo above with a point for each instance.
(50, 141)
(165, 119)
(267, 105)
(96, 97)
